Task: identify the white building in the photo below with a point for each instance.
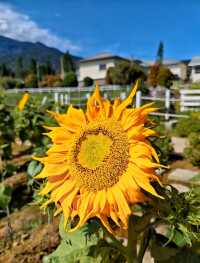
(96, 67)
(178, 67)
(195, 69)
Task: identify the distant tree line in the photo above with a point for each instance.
(34, 74)
(37, 74)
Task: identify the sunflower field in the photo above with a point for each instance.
(95, 184)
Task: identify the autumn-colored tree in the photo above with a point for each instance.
(109, 76)
(51, 81)
(153, 75)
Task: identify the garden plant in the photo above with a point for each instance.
(98, 171)
(101, 175)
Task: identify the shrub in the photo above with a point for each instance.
(70, 80)
(124, 73)
(162, 142)
(165, 77)
(51, 81)
(31, 81)
(159, 75)
(185, 126)
(6, 130)
(195, 86)
(8, 83)
(87, 82)
(192, 152)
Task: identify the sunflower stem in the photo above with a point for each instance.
(144, 245)
(132, 242)
(115, 241)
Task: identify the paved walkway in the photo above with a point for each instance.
(179, 144)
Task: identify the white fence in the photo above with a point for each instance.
(188, 99)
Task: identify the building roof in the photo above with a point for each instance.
(194, 62)
(167, 62)
(102, 56)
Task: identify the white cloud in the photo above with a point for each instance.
(20, 26)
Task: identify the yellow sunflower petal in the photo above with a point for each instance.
(142, 180)
(126, 102)
(100, 162)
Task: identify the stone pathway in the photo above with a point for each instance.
(181, 178)
(179, 144)
(181, 175)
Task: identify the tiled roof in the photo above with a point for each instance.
(195, 61)
(101, 56)
(167, 62)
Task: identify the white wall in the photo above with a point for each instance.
(179, 69)
(91, 69)
(194, 76)
(176, 70)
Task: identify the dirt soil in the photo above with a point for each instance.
(31, 236)
(184, 164)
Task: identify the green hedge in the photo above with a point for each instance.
(186, 126)
(192, 152)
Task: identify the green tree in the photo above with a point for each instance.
(4, 71)
(165, 77)
(67, 63)
(124, 73)
(19, 68)
(33, 66)
(42, 71)
(49, 68)
(70, 80)
(31, 81)
(160, 53)
(87, 82)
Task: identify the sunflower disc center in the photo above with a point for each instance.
(94, 149)
(99, 155)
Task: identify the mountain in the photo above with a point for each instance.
(11, 49)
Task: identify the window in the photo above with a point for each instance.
(197, 69)
(102, 66)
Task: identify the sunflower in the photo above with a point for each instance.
(100, 161)
(23, 101)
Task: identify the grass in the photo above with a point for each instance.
(76, 97)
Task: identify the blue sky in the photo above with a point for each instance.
(125, 27)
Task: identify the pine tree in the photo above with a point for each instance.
(160, 53)
(67, 64)
(4, 71)
(49, 67)
(33, 66)
(19, 67)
